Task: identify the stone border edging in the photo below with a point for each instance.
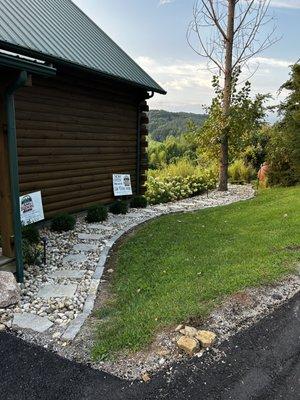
(74, 327)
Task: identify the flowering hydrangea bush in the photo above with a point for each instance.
(170, 188)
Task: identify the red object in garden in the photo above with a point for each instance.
(263, 172)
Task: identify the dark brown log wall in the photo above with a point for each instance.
(73, 134)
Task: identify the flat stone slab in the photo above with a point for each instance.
(86, 247)
(31, 321)
(49, 291)
(73, 258)
(68, 273)
(89, 236)
(101, 227)
(120, 219)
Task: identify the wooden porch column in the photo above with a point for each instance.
(6, 213)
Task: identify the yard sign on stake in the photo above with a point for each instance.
(31, 208)
(122, 185)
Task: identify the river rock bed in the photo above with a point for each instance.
(72, 259)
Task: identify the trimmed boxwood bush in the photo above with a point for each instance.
(138, 202)
(31, 234)
(97, 213)
(63, 222)
(119, 207)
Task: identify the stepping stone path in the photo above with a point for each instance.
(81, 269)
(32, 322)
(85, 247)
(72, 258)
(68, 273)
(89, 236)
(49, 291)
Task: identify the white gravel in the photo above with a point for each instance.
(61, 249)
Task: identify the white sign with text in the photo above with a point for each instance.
(122, 185)
(31, 208)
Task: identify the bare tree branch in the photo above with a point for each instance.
(228, 33)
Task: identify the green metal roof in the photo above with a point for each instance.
(58, 31)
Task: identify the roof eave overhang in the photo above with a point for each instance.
(32, 67)
(61, 62)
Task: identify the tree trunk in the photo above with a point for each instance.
(223, 182)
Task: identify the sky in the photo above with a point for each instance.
(153, 33)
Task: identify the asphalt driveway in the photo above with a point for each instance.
(261, 363)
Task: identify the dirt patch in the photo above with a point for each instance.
(237, 312)
(293, 248)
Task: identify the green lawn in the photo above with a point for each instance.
(183, 265)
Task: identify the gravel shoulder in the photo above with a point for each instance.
(237, 314)
(259, 363)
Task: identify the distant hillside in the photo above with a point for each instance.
(165, 123)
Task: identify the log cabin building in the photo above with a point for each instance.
(73, 111)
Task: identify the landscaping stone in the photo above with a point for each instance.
(9, 290)
(188, 345)
(277, 296)
(79, 251)
(189, 331)
(2, 327)
(206, 338)
(32, 322)
(53, 291)
(146, 377)
(178, 328)
(101, 227)
(73, 258)
(68, 273)
(85, 247)
(89, 236)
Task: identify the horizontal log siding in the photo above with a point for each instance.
(72, 136)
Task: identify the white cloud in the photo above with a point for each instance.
(189, 83)
(285, 3)
(177, 75)
(163, 2)
(272, 62)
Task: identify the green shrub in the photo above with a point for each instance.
(31, 234)
(183, 168)
(32, 253)
(280, 152)
(281, 175)
(119, 207)
(240, 173)
(139, 202)
(171, 188)
(63, 222)
(97, 213)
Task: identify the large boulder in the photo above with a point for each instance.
(9, 290)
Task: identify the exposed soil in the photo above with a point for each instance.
(237, 313)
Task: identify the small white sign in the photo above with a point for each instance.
(122, 185)
(31, 208)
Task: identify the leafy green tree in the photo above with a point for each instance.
(245, 121)
(284, 141)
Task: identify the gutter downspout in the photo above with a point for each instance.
(14, 169)
(138, 151)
